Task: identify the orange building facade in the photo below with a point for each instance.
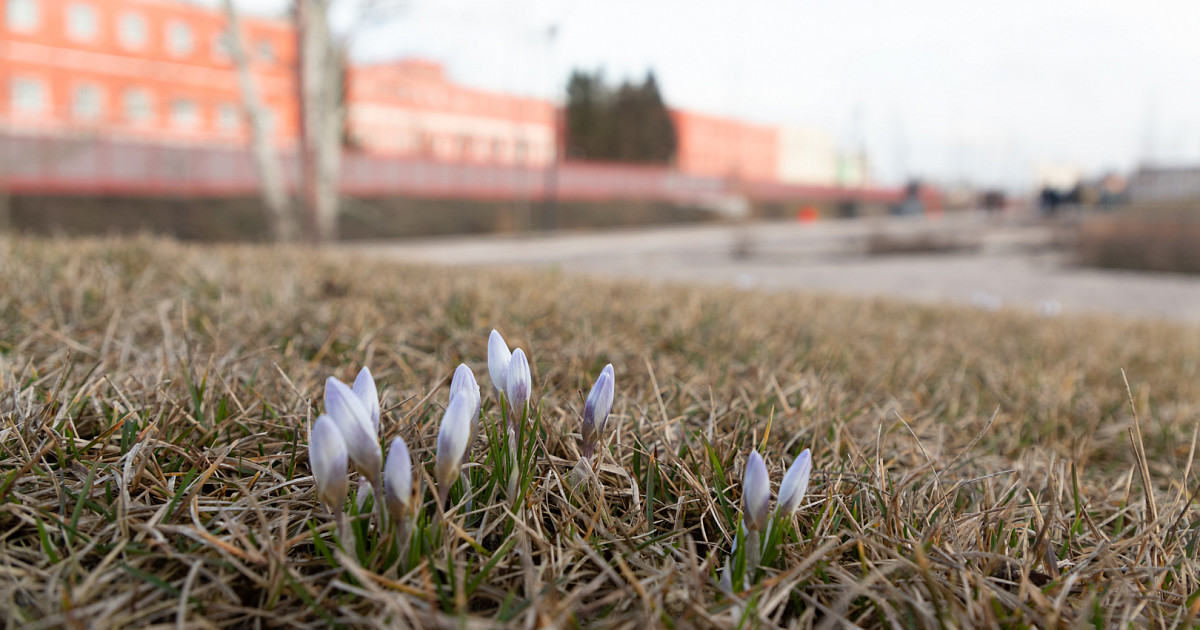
(148, 69)
(160, 70)
(410, 108)
(713, 146)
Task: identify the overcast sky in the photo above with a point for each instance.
(949, 89)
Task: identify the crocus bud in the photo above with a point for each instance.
(354, 422)
(397, 479)
(453, 436)
(595, 410)
(364, 388)
(464, 381)
(794, 484)
(756, 493)
(498, 359)
(328, 459)
(519, 383)
(362, 493)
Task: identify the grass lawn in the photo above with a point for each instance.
(970, 469)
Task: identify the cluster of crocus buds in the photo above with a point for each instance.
(347, 434)
(510, 376)
(756, 490)
(756, 499)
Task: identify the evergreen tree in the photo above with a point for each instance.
(628, 124)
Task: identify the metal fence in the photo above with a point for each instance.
(79, 165)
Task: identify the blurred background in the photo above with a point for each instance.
(934, 126)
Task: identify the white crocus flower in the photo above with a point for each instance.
(498, 359)
(453, 437)
(794, 484)
(464, 381)
(756, 493)
(361, 494)
(596, 409)
(327, 457)
(398, 480)
(519, 384)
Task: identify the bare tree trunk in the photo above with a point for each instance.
(321, 117)
(6, 223)
(266, 161)
(5, 207)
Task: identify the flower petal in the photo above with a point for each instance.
(398, 479)
(364, 388)
(596, 410)
(327, 457)
(756, 493)
(498, 359)
(795, 484)
(453, 437)
(464, 381)
(519, 383)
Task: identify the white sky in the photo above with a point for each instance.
(948, 89)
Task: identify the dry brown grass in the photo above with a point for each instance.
(153, 469)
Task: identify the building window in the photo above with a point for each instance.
(266, 51)
(27, 95)
(87, 102)
(497, 149)
(184, 113)
(521, 152)
(21, 15)
(81, 22)
(179, 39)
(223, 46)
(131, 31)
(227, 118)
(138, 107)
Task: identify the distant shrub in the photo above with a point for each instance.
(1150, 241)
(924, 242)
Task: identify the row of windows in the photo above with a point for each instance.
(30, 96)
(133, 32)
(466, 147)
(440, 97)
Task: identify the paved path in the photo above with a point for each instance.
(1012, 265)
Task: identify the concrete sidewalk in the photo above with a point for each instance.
(1012, 265)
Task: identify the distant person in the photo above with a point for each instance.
(1049, 200)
